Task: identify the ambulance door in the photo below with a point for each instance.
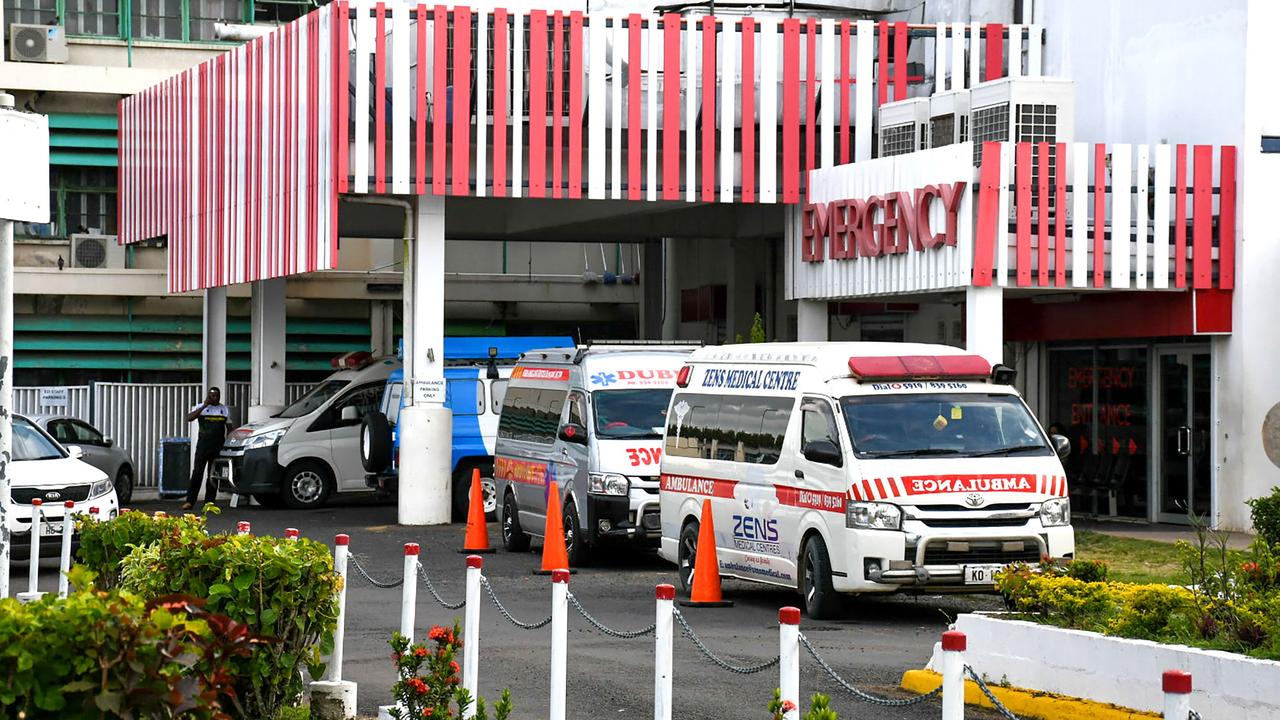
(756, 529)
(816, 496)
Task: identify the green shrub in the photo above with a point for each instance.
(1087, 570)
(1148, 611)
(1265, 513)
(104, 545)
(284, 590)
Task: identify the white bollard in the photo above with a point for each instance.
(335, 698)
(1177, 695)
(243, 527)
(409, 591)
(471, 633)
(341, 549)
(64, 565)
(662, 637)
(789, 660)
(954, 643)
(559, 641)
(292, 534)
(33, 563)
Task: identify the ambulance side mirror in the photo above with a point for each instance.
(823, 451)
(573, 433)
(1061, 445)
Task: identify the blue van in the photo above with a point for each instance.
(476, 372)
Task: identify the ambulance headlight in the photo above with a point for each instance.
(608, 484)
(873, 516)
(1055, 512)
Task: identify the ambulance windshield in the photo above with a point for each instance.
(930, 425)
(631, 414)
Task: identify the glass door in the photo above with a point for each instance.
(1183, 434)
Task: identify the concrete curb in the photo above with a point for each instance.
(1026, 703)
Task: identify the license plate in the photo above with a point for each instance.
(50, 528)
(981, 574)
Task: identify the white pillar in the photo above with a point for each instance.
(984, 322)
(267, 348)
(953, 646)
(670, 291)
(335, 698)
(425, 424)
(789, 660)
(559, 642)
(409, 590)
(1176, 685)
(6, 389)
(471, 634)
(64, 559)
(811, 320)
(663, 631)
(213, 348)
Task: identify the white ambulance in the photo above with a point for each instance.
(858, 468)
(591, 418)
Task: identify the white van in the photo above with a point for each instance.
(859, 467)
(590, 418)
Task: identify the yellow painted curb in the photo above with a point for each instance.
(1027, 703)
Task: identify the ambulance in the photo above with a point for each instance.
(591, 418)
(845, 468)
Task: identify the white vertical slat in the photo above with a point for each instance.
(654, 61)
(301, 219)
(975, 54)
(597, 66)
(363, 46)
(1161, 217)
(1002, 215)
(728, 104)
(1121, 180)
(482, 100)
(1079, 214)
(517, 102)
(326, 149)
(1015, 50)
(1035, 43)
(1140, 244)
(241, 175)
(616, 91)
(863, 109)
(957, 56)
(692, 97)
(400, 97)
(940, 58)
(768, 58)
(830, 96)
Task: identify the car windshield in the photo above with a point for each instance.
(318, 396)
(31, 444)
(932, 425)
(631, 413)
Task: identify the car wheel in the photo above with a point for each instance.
(687, 554)
(124, 485)
(462, 491)
(514, 538)
(575, 545)
(307, 485)
(820, 600)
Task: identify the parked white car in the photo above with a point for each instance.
(44, 469)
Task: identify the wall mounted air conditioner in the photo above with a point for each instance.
(904, 127)
(98, 252)
(948, 118)
(1025, 109)
(37, 43)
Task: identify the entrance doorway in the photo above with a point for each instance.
(1182, 433)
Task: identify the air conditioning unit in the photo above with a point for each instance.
(1024, 109)
(99, 252)
(904, 126)
(37, 43)
(948, 118)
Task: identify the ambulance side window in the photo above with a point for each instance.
(817, 422)
(577, 411)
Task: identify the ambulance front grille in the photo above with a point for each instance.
(980, 552)
(974, 522)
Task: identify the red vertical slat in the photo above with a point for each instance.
(287, 189)
(984, 240)
(379, 99)
(995, 51)
(339, 26)
(790, 111)
(344, 93)
(1202, 218)
(313, 143)
(1022, 201)
(1227, 218)
(1180, 219)
(501, 66)
(900, 61)
(557, 104)
(439, 111)
(538, 103)
(203, 236)
(1060, 217)
(1042, 222)
(253, 165)
(461, 99)
(810, 100)
(882, 62)
(219, 164)
(1099, 215)
(748, 110)
(671, 106)
(708, 148)
(842, 86)
(633, 106)
(420, 108)
(575, 102)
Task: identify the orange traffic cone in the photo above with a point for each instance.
(706, 569)
(554, 554)
(477, 539)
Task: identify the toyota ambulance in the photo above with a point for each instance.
(846, 468)
(591, 418)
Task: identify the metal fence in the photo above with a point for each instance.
(137, 416)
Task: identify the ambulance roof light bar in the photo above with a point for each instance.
(919, 367)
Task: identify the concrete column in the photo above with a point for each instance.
(267, 348)
(6, 389)
(382, 328)
(426, 425)
(213, 348)
(984, 322)
(670, 291)
(406, 311)
(811, 320)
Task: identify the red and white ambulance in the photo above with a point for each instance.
(858, 468)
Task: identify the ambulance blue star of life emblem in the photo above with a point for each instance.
(604, 379)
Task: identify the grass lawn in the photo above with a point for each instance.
(1138, 561)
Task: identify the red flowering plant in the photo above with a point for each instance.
(819, 707)
(430, 676)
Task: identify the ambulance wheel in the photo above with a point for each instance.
(513, 538)
(821, 602)
(307, 485)
(574, 545)
(462, 491)
(687, 554)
